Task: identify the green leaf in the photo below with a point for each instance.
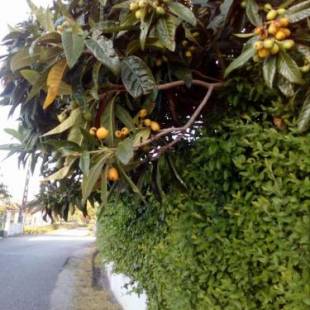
(285, 86)
(104, 188)
(108, 121)
(144, 30)
(244, 35)
(43, 16)
(269, 70)
(175, 171)
(133, 186)
(182, 12)
(124, 151)
(141, 136)
(21, 59)
(240, 61)
(31, 76)
(304, 50)
(156, 179)
(73, 45)
(14, 133)
(298, 7)
(123, 115)
(103, 50)
(66, 124)
(304, 117)
(252, 12)
(166, 29)
(306, 301)
(90, 180)
(85, 163)
(182, 73)
(288, 68)
(219, 21)
(63, 172)
(137, 77)
(298, 16)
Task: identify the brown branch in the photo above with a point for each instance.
(166, 86)
(190, 122)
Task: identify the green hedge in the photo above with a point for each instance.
(238, 238)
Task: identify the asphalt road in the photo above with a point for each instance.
(29, 267)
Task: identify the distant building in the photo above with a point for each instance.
(9, 225)
(34, 217)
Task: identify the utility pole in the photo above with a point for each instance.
(25, 196)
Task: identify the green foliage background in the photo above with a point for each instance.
(238, 237)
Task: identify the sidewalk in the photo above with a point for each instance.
(79, 288)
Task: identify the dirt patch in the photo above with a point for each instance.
(89, 293)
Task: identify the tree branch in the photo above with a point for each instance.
(181, 129)
(166, 86)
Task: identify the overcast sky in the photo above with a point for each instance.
(12, 12)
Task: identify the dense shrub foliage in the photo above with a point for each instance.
(238, 237)
(105, 89)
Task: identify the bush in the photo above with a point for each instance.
(38, 230)
(238, 238)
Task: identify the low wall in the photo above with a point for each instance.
(15, 229)
(129, 301)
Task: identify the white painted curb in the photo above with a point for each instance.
(128, 300)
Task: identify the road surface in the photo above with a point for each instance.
(29, 267)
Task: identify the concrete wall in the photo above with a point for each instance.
(36, 220)
(11, 225)
(129, 301)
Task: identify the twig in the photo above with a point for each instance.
(181, 129)
(166, 86)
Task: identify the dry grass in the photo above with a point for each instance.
(85, 295)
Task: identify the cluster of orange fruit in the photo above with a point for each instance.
(144, 7)
(154, 126)
(274, 34)
(123, 133)
(101, 133)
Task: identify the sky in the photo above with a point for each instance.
(11, 13)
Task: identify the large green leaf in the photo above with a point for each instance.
(285, 86)
(66, 124)
(141, 136)
(31, 76)
(269, 70)
(182, 12)
(289, 69)
(104, 51)
(133, 186)
(252, 12)
(144, 30)
(298, 16)
(124, 151)
(123, 115)
(21, 59)
(304, 50)
(90, 180)
(63, 172)
(298, 7)
(85, 163)
(304, 118)
(240, 61)
(108, 121)
(137, 76)
(43, 16)
(73, 44)
(166, 29)
(219, 21)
